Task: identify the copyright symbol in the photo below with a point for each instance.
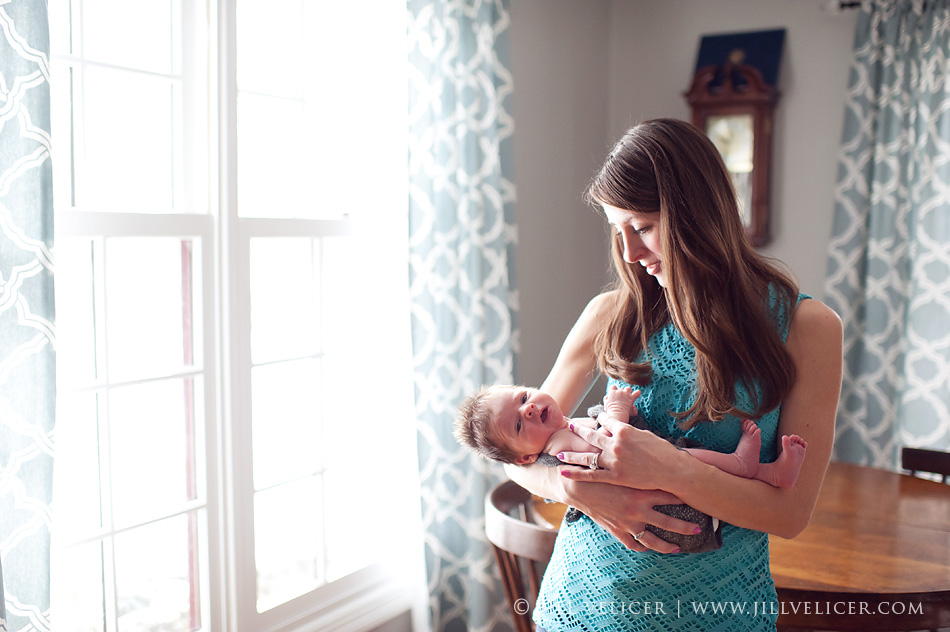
(521, 606)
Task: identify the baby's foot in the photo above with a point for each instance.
(784, 471)
(747, 452)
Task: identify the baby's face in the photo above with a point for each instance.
(524, 419)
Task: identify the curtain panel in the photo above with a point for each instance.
(27, 360)
(889, 261)
(463, 300)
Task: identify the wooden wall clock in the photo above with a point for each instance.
(734, 106)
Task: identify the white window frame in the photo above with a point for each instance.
(362, 600)
(92, 225)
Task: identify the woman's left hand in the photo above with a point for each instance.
(629, 456)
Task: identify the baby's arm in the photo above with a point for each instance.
(619, 402)
(587, 422)
(566, 441)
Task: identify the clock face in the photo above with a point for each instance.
(733, 137)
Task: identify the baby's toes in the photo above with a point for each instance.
(793, 442)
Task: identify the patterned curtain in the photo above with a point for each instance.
(889, 263)
(27, 358)
(462, 235)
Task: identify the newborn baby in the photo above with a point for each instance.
(520, 425)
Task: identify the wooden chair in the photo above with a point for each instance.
(921, 460)
(522, 548)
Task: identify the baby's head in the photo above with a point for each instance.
(509, 424)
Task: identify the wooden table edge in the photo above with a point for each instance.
(807, 594)
(822, 615)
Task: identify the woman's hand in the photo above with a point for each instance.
(626, 512)
(629, 457)
(622, 511)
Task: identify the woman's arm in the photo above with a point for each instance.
(621, 511)
(636, 458)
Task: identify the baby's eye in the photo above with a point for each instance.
(524, 398)
(518, 426)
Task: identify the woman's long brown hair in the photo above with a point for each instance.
(717, 291)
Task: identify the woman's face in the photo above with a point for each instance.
(641, 239)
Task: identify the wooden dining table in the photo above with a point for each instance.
(875, 556)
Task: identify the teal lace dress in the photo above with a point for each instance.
(594, 583)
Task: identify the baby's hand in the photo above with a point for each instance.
(619, 402)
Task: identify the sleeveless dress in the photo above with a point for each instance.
(594, 583)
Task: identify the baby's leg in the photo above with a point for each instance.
(784, 471)
(744, 461)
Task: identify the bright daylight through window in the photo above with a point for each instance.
(234, 402)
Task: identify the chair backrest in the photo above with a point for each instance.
(921, 460)
(520, 546)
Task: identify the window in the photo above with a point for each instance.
(234, 431)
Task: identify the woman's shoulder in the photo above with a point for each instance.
(814, 323)
(811, 312)
(594, 318)
(601, 305)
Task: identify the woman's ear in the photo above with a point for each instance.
(527, 459)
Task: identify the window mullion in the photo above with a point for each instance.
(239, 384)
(237, 587)
(110, 583)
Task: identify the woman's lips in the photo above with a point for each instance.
(653, 268)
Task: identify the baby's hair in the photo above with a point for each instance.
(473, 427)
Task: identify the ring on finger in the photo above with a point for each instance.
(593, 461)
(639, 535)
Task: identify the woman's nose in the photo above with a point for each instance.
(632, 245)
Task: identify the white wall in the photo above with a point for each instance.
(586, 70)
(560, 58)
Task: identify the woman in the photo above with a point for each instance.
(711, 332)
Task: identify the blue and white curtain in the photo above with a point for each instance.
(27, 358)
(462, 237)
(889, 263)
